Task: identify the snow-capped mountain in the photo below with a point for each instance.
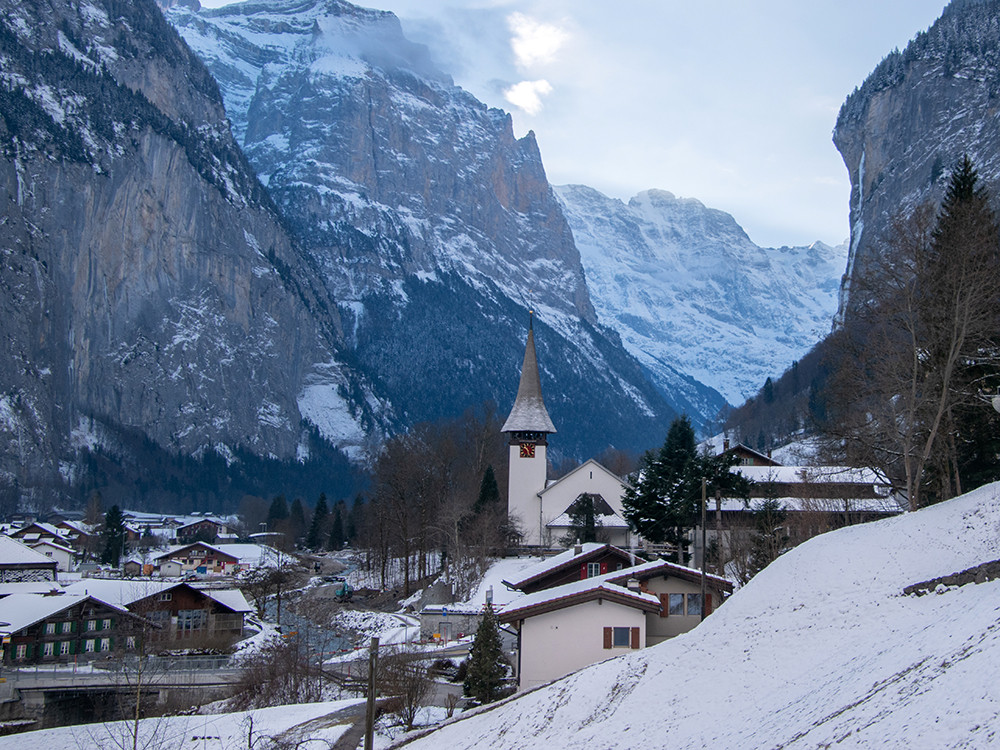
(689, 292)
(150, 291)
(434, 229)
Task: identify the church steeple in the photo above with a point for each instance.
(529, 413)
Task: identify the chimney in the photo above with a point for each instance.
(725, 444)
(577, 549)
(633, 584)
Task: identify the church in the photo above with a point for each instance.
(542, 507)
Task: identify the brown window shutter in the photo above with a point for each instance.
(708, 604)
(664, 605)
(635, 637)
(583, 571)
(604, 567)
(607, 637)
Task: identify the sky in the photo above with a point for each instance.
(732, 102)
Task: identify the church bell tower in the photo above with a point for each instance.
(528, 428)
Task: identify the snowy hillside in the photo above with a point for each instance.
(688, 291)
(822, 649)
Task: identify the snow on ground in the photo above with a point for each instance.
(821, 649)
(221, 731)
(508, 568)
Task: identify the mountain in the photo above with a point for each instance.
(151, 294)
(689, 292)
(433, 228)
(827, 647)
(911, 121)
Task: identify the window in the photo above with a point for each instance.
(105, 624)
(190, 619)
(694, 604)
(50, 628)
(91, 624)
(105, 644)
(593, 569)
(67, 627)
(620, 637)
(677, 604)
(166, 596)
(88, 646)
(48, 649)
(64, 648)
(21, 652)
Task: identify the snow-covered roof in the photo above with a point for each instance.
(13, 552)
(819, 504)
(589, 464)
(24, 610)
(570, 556)
(213, 547)
(117, 591)
(613, 521)
(806, 474)
(232, 598)
(52, 543)
(529, 413)
(570, 594)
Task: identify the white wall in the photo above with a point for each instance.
(526, 478)
(557, 643)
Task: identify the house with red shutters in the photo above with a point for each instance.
(592, 602)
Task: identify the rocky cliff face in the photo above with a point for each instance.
(434, 228)
(915, 117)
(689, 292)
(148, 285)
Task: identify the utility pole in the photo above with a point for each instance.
(370, 711)
(704, 548)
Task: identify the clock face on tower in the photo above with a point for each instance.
(527, 450)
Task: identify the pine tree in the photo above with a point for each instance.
(316, 536)
(278, 512)
(297, 519)
(489, 492)
(337, 537)
(583, 523)
(663, 502)
(114, 536)
(487, 666)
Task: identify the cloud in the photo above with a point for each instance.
(534, 42)
(527, 95)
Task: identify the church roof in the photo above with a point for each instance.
(529, 413)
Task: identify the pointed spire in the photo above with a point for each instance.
(529, 413)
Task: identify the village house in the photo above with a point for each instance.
(63, 555)
(18, 562)
(581, 561)
(200, 558)
(563, 629)
(61, 627)
(179, 611)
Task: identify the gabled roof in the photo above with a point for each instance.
(578, 592)
(564, 561)
(529, 413)
(15, 554)
(655, 568)
(51, 543)
(123, 593)
(24, 610)
(175, 551)
(586, 465)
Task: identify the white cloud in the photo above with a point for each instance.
(534, 42)
(527, 95)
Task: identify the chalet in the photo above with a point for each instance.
(61, 553)
(38, 531)
(200, 557)
(202, 530)
(579, 562)
(60, 627)
(180, 612)
(563, 629)
(18, 562)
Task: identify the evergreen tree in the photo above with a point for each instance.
(487, 666)
(489, 492)
(316, 537)
(769, 538)
(114, 536)
(297, 519)
(278, 512)
(337, 537)
(583, 523)
(664, 500)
